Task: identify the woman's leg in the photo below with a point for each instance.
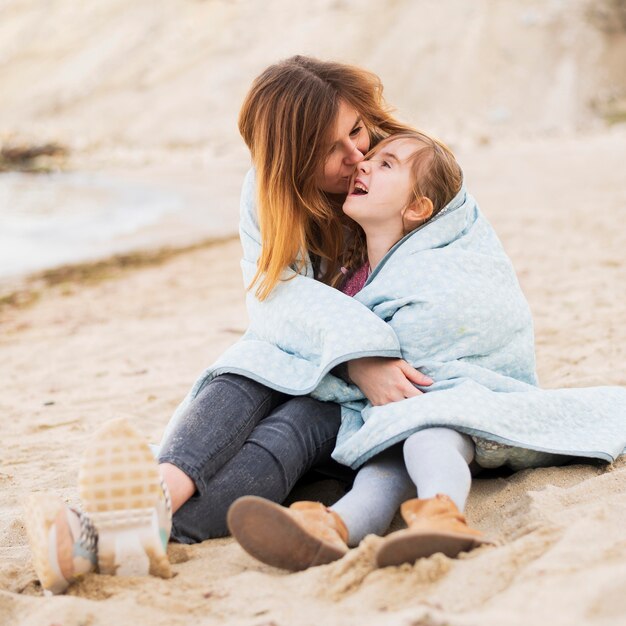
(215, 426)
(437, 459)
(380, 487)
(296, 436)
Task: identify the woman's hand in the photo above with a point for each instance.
(383, 380)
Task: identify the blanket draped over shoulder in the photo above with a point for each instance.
(446, 299)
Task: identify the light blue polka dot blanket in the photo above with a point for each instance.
(446, 299)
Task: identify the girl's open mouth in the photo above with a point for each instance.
(360, 189)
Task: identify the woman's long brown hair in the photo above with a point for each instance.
(287, 120)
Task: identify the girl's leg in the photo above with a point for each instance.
(437, 459)
(380, 487)
(296, 436)
(308, 533)
(213, 429)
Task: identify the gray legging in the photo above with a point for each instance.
(433, 460)
(239, 438)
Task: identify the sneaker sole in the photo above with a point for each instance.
(267, 532)
(119, 485)
(40, 513)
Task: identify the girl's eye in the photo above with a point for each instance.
(356, 131)
(385, 164)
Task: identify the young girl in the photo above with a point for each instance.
(427, 262)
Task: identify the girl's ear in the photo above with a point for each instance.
(419, 211)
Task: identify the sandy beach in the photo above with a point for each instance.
(531, 95)
(130, 345)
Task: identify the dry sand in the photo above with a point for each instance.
(522, 90)
(131, 346)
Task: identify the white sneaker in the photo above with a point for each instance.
(121, 490)
(63, 542)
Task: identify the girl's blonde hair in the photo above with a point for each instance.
(287, 121)
(435, 174)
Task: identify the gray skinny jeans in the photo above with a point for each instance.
(239, 438)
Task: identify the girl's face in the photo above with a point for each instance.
(350, 142)
(381, 185)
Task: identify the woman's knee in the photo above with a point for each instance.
(229, 391)
(227, 404)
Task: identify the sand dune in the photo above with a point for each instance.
(140, 82)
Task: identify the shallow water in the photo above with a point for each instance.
(68, 217)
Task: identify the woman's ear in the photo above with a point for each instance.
(419, 211)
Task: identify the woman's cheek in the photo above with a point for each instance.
(334, 165)
(364, 147)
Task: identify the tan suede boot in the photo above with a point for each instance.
(295, 538)
(434, 525)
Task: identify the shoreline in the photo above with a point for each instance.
(23, 291)
(87, 214)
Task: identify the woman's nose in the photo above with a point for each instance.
(354, 156)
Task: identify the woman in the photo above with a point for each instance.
(307, 123)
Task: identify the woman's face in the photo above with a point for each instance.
(350, 142)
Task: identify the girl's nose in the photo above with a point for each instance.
(363, 166)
